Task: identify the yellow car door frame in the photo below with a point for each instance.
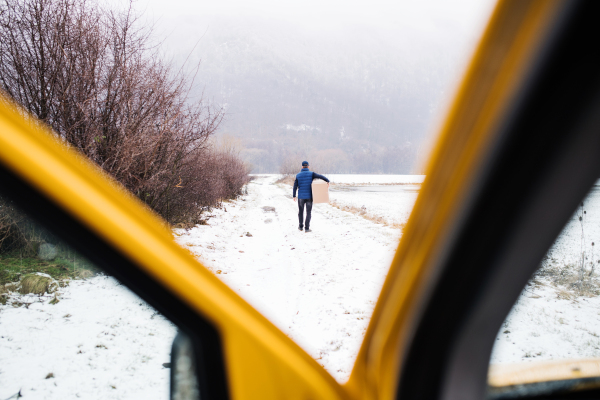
(518, 151)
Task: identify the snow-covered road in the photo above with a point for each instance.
(320, 287)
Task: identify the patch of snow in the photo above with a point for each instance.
(550, 321)
(301, 127)
(542, 326)
(100, 341)
(319, 288)
(394, 203)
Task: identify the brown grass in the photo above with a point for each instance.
(3, 295)
(567, 279)
(287, 180)
(362, 212)
(55, 300)
(84, 274)
(37, 284)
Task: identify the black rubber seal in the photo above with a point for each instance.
(545, 164)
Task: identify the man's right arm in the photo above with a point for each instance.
(317, 176)
(295, 187)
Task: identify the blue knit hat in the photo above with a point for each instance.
(305, 163)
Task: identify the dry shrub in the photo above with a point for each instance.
(286, 180)
(37, 284)
(216, 174)
(567, 278)
(564, 295)
(18, 232)
(291, 165)
(12, 222)
(84, 274)
(96, 77)
(329, 161)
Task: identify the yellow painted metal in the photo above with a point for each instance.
(261, 362)
(497, 71)
(524, 373)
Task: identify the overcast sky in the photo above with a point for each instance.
(427, 16)
(428, 40)
(457, 24)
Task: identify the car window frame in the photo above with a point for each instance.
(497, 194)
(73, 198)
(468, 166)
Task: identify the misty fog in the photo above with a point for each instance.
(350, 87)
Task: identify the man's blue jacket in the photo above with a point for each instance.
(303, 181)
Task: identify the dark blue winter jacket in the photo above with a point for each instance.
(303, 181)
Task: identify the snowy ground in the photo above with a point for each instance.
(545, 325)
(100, 341)
(96, 342)
(552, 320)
(393, 203)
(320, 287)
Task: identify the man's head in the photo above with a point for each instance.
(304, 164)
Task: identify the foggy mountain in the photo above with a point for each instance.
(349, 98)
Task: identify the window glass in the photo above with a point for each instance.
(353, 88)
(355, 91)
(69, 330)
(557, 316)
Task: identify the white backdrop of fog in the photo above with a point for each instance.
(351, 86)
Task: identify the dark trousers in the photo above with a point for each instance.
(301, 204)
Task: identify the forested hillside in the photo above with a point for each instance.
(353, 98)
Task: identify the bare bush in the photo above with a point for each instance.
(95, 77)
(18, 232)
(215, 174)
(329, 161)
(11, 232)
(291, 165)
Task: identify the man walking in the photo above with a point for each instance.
(303, 185)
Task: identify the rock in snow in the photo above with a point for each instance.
(47, 252)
